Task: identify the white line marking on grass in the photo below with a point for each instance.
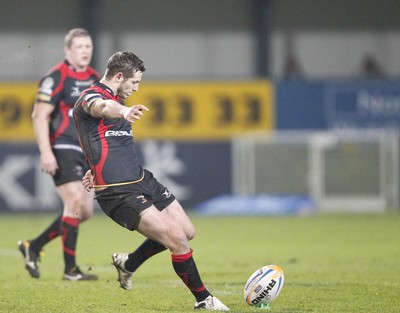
(9, 252)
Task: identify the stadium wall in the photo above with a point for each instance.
(206, 39)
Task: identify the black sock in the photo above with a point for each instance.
(146, 250)
(69, 231)
(49, 234)
(186, 269)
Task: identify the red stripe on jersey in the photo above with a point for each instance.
(63, 68)
(99, 180)
(64, 110)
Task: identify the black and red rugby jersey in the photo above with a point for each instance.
(61, 88)
(107, 143)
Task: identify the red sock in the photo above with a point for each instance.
(186, 269)
(69, 231)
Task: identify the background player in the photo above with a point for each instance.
(127, 193)
(60, 152)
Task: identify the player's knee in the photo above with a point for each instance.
(190, 234)
(87, 206)
(75, 205)
(73, 200)
(86, 214)
(178, 239)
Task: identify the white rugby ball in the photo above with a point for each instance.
(264, 285)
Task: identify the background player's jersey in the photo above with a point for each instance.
(61, 88)
(107, 143)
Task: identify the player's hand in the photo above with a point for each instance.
(133, 113)
(48, 163)
(87, 181)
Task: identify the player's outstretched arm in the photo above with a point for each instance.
(113, 109)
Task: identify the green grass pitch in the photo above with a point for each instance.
(332, 263)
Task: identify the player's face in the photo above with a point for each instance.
(79, 54)
(130, 85)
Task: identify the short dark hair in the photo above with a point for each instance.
(125, 62)
(73, 33)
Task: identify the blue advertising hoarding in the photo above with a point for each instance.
(337, 105)
(299, 105)
(192, 171)
(362, 105)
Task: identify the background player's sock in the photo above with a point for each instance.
(69, 232)
(49, 234)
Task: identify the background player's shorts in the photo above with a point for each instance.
(123, 204)
(72, 166)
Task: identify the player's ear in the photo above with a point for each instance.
(119, 77)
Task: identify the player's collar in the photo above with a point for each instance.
(71, 66)
(105, 87)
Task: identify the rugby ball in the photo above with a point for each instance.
(264, 285)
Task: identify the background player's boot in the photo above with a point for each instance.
(75, 274)
(30, 258)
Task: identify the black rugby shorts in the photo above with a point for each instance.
(71, 166)
(123, 204)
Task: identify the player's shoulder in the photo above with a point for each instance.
(59, 67)
(89, 93)
(52, 78)
(54, 74)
